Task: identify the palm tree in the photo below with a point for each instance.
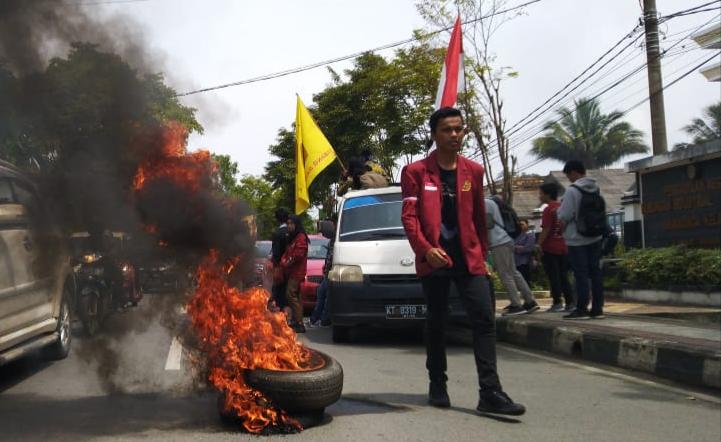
(584, 133)
(703, 131)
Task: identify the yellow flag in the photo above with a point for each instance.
(313, 154)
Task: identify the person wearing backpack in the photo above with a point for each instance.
(501, 248)
(583, 220)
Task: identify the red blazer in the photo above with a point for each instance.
(295, 259)
(422, 202)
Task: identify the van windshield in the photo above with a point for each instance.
(372, 218)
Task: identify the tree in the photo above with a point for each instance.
(226, 173)
(83, 125)
(584, 133)
(703, 131)
(379, 105)
(483, 101)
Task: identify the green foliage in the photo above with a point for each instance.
(584, 133)
(378, 105)
(89, 101)
(703, 130)
(258, 192)
(671, 266)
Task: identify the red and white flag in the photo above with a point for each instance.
(452, 80)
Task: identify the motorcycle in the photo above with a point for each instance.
(104, 286)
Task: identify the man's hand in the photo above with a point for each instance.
(437, 258)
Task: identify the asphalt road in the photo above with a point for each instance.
(139, 385)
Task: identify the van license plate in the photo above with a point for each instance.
(415, 311)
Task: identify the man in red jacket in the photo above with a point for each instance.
(445, 219)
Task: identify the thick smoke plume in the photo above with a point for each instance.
(85, 132)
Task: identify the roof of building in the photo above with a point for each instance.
(612, 182)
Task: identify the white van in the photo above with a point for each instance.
(373, 279)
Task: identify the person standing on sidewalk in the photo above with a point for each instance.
(444, 219)
(294, 264)
(583, 219)
(523, 247)
(501, 248)
(554, 251)
(279, 242)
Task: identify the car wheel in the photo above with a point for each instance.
(300, 391)
(60, 348)
(341, 334)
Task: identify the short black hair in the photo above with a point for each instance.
(444, 112)
(550, 189)
(281, 215)
(574, 166)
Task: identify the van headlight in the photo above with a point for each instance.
(340, 273)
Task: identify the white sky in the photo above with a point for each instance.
(206, 43)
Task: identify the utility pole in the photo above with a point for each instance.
(655, 80)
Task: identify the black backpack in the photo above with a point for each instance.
(511, 224)
(591, 218)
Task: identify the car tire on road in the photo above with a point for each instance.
(300, 391)
(60, 348)
(341, 334)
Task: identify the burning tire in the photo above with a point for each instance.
(304, 395)
(300, 391)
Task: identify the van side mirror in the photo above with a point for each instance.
(327, 229)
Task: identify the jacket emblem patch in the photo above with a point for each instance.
(466, 186)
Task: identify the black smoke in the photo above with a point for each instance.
(82, 107)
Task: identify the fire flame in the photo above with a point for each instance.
(235, 329)
(237, 332)
(187, 170)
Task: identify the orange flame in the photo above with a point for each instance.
(237, 332)
(235, 329)
(187, 170)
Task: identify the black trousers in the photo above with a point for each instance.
(525, 270)
(556, 267)
(478, 299)
(278, 294)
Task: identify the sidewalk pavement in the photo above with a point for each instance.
(678, 343)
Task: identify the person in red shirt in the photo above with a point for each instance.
(444, 217)
(294, 264)
(554, 251)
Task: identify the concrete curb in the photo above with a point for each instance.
(671, 360)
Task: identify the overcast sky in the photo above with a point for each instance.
(212, 42)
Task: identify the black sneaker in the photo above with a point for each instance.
(570, 308)
(514, 310)
(576, 315)
(531, 307)
(498, 402)
(298, 328)
(325, 323)
(438, 395)
(506, 308)
(555, 308)
(599, 315)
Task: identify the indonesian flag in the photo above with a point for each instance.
(452, 80)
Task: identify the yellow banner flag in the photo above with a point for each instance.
(313, 154)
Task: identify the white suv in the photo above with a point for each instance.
(36, 289)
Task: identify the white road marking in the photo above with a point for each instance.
(174, 355)
(624, 377)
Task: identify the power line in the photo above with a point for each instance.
(689, 11)
(534, 132)
(684, 75)
(308, 67)
(598, 60)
